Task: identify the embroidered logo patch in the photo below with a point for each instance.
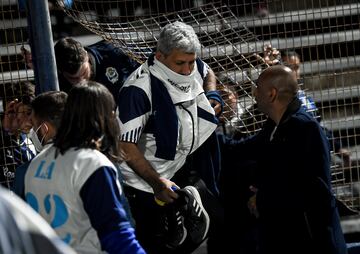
(112, 74)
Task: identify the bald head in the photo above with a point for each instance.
(282, 79)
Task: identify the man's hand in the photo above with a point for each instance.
(10, 123)
(26, 54)
(252, 202)
(137, 162)
(216, 106)
(209, 86)
(166, 195)
(271, 55)
(344, 154)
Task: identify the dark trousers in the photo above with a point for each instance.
(201, 170)
(149, 217)
(149, 224)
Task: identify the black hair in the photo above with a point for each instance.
(23, 91)
(69, 54)
(49, 106)
(89, 121)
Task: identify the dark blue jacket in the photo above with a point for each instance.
(297, 210)
(110, 67)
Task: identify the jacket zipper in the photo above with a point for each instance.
(193, 127)
(308, 226)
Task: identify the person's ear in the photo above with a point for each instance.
(273, 94)
(158, 55)
(44, 127)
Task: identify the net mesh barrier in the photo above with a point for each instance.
(13, 85)
(233, 35)
(228, 46)
(324, 33)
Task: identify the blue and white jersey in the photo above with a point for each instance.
(167, 115)
(14, 152)
(308, 103)
(52, 188)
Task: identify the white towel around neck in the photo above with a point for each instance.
(180, 87)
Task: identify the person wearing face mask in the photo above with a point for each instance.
(73, 183)
(47, 110)
(167, 122)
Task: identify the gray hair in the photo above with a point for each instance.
(178, 35)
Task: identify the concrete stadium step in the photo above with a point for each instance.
(348, 122)
(20, 75)
(334, 94)
(14, 48)
(296, 16)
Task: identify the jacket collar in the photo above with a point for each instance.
(293, 107)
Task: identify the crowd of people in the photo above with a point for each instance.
(127, 158)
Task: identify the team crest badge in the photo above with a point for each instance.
(112, 74)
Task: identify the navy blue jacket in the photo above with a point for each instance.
(297, 210)
(110, 67)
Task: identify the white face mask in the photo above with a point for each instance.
(35, 139)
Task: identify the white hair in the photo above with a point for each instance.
(178, 35)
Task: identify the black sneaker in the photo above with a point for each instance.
(197, 220)
(174, 227)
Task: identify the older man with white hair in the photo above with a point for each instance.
(165, 116)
